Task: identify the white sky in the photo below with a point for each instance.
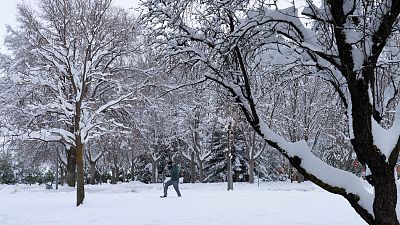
(7, 16)
(8, 10)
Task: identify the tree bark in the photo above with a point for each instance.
(382, 176)
(385, 198)
(62, 176)
(57, 169)
(115, 174)
(80, 191)
(132, 167)
(251, 171)
(192, 169)
(201, 172)
(92, 172)
(133, 171)
(229, 162)
(153, 171)
(71, 167)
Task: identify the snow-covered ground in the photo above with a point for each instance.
(135, 203)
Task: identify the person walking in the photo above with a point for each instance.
(174, 181)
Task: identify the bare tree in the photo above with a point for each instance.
(70, 55)
(344, 46)
(254, 149)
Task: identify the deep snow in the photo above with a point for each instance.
(135, 203)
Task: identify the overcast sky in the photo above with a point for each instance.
(8, 10)
(7, 16)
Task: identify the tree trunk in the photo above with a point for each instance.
(133, 172)
(192, 169)
(62, 176)
(153, 171)
(382, 170)
(57, 169)
(100, 178)
(80, 191)
(229, 163)
(385, 198)
(229, 168)
(92, 173)
(115, 174)
(251, 171)
(201, 173)
(132, 169)
(71, 167)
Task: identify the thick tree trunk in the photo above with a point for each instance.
(192, 169)
(71, 167)
(80, 191)
(251, 171)
(385, 198)
(382, 170)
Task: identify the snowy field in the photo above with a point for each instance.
(273, 203)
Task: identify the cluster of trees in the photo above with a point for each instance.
(198, 138)
(227, 88)
(351, 45)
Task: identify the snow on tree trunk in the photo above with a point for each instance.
(382, 169)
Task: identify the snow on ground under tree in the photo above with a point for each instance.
(135, 203)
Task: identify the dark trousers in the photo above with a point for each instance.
(175, 183)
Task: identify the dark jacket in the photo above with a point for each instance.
(174, 172)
